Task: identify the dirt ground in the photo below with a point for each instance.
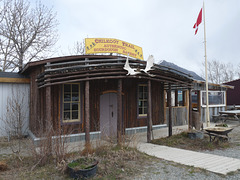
(115, 162)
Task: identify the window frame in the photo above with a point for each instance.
(71, 121)
(143, 100)
(213, 105)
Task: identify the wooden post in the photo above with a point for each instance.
(190, 109)
(48, 119)
(48, 106)
(119, 112)
(176, 97)
(149, 123)
(87, 115)
(199, 104)
(170, 110)
(184, 98)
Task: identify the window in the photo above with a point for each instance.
(181, 95)
(216, 98)
(177, 98)
(142, 100)
(71, 103)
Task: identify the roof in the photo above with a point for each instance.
(174, 66)
(33, 64)
(197, 78)
(13, 77)
(236, 81)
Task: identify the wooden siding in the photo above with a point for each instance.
(233, 95)
(103, 76)
(97, 87)
(179, 115)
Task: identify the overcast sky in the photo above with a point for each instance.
(163, 28)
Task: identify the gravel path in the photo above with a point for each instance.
(170, 170)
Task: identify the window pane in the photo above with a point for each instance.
(66, 106)
(75, 88)
(67, 97)
(145, 111)
(75, 97)
(140, 110)
(66, 115)
(74, 106)
(75, 115)
(215, 98)
(67, 87)
(140, 95)
(145, 104)
(145, 95)
(145, 88)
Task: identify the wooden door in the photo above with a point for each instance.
(108, 114)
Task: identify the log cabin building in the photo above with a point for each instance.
(93, 93)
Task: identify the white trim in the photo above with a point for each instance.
(213, 105)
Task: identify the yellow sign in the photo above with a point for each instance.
(109, 45)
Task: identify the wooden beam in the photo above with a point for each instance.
(149, 123)
(84, 76)
(95, 73)
(15, 80)
(87, 114)
(170, 110)
(119, 113)
(111, 77)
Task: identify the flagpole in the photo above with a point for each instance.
(206, 73)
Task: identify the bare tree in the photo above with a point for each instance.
(78, 48)
(219, 72)
(238, 71)
(26, 33)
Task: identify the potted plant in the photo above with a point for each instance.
(82, 168)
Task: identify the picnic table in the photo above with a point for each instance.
(237, 107)
(227, 115)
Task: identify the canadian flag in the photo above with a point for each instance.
(199, 20)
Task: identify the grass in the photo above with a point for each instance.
(182, 141)
(115, 162)
(82, 163)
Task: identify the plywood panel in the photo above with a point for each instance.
(17, 92)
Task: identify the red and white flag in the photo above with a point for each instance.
(199, 20)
